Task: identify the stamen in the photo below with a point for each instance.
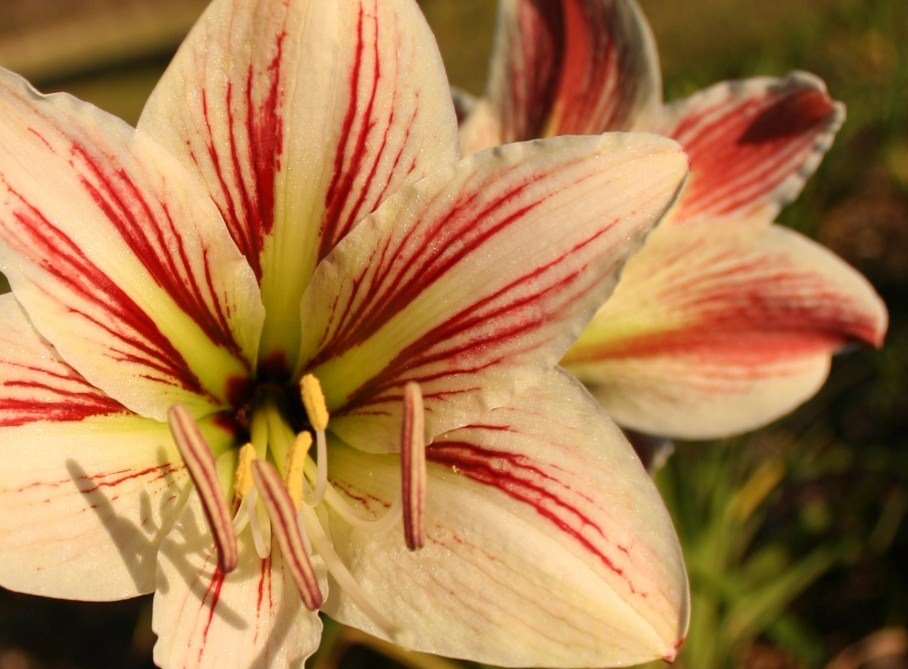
(242, 483)
(286, 530)
(296, 466)
(317, 411)
(314, 402)
(200, 463)
(413, 467)
(345, 579)
(244, 499)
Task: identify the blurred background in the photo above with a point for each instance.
(795, 536)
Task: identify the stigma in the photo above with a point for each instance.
(280, 481)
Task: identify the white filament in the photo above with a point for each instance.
(241, 520)
(261, 531)
(343, 508)
(353, 517)
(315, 497)
(345, 579)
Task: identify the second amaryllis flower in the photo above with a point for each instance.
(278, 351)
(723, 322)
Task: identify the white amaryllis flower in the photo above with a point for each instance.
(723, 322)
(288, 251)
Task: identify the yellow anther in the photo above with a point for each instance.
(296, 463)
(314, 402)
(243, 481)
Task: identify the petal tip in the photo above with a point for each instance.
(672, 653)
(871, 316)
(880, 327)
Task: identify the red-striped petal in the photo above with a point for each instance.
(721, 326)
(546, 542)
(87, 489)
(302, 116)
(35, 383)
(752, 144)
(573, 67)
(476, 276)
(118, 256)
(205, 619)
(84, 505)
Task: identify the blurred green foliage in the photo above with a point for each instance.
(741, 587)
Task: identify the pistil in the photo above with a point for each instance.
(200, 463)
(259, 525)
(345, 580)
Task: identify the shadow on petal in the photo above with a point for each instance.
(136, 543)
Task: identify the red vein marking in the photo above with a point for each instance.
(416, 355)
(539, 41)
(103, 481)
(522, 480)
(749, 147)
(214, 592)
(264, 584)
(130, 213)
(36, 237)
(248, 208)
(430, 260)
(65, 405)
(342, 182)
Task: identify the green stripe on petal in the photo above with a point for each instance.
(301, 117)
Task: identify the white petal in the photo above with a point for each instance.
(251, 617)
(480, 129)
(87, 489)
(302, 116)
(119, 257)
(84, 506)
(547, 543)
(35, 383)
(478, 277)
(718, 327)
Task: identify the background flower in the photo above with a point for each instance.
(722, 322)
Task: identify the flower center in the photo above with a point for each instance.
(278, 483)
